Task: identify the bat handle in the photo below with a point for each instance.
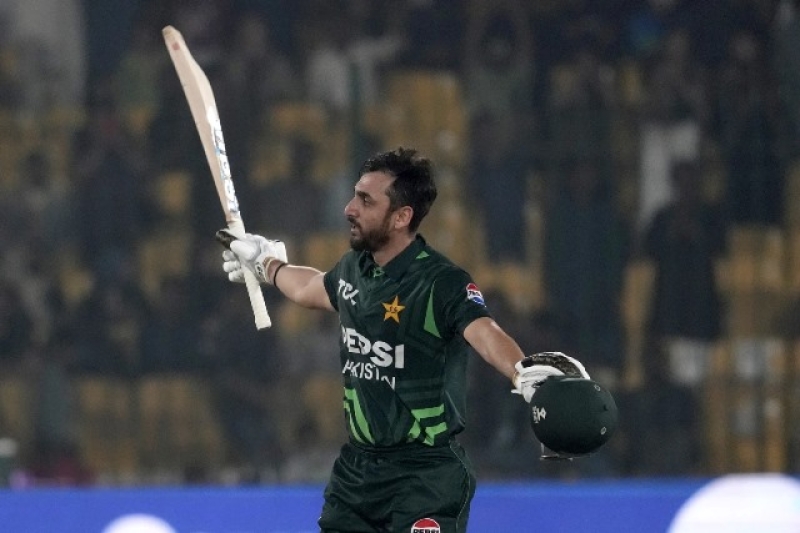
(260, 313)
(257, 301)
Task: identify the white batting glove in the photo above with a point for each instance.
(232, 266)
(254, 253)
(534, 369)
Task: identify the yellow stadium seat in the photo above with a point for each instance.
(177, 423)
(637, 293)
(747, 414)
(138, 118)
(106, 435)
(163, 255)
(64, 120)
(427, 109)
(636, 298)
(716, 409)
(173, 193)
(793, 260)
(630, 84)
(16, 409)
(521, 286)
(756, 258)
(792, 196)
(297, 118)
(322, 396)
(323, 249)
(329, 134)
(74, 280)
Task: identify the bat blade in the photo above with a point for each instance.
(203, 106)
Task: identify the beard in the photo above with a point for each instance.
(372, 240)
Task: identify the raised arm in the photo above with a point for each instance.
(268, 261)
(527, 373)
(301, 284)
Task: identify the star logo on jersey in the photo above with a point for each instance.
(393, 310)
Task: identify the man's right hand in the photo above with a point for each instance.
(254, 253)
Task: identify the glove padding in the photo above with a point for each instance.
(254, 253)
(534, 369)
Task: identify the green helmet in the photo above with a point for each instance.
(572, 416)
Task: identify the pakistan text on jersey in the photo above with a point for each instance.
(368, 371)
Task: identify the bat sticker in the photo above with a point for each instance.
(222, 157)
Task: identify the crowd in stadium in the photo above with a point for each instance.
(598, 161)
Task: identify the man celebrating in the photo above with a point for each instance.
(407, 317)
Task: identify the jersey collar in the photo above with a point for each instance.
(397, 266)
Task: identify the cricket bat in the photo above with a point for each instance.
(204, 111)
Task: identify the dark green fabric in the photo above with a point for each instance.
(402, 353)
(389, 491)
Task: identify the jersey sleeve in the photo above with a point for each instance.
(330, 279)
(458, 301)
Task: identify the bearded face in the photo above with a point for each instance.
(369, 239)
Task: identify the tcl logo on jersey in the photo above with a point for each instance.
(347, 291)
(383, 353)
(474, 294)
(426, 525)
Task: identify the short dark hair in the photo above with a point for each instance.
(413, 183)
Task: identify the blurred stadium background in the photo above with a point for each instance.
(621, 177)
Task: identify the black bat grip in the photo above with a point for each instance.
(225, 238)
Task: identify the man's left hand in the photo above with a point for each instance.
(534, 369)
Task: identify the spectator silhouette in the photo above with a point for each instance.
(55, 457)
(498, 179)
(255, 76)
(110, 189)
(16, 328)
(169, 336)
(291, 205)
(499, 64)
(433, 30)
(498, 74)
(112, 345)
(748, 121)
(675, 113)
(243, 365)
(786, 64)
(586, 248)
(684, 240)
(581, 106)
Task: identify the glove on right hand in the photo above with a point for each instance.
(253, 252)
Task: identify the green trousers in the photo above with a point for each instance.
(410, 489)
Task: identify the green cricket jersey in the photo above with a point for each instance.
(403, 356)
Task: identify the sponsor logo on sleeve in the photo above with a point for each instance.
(474, 294)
